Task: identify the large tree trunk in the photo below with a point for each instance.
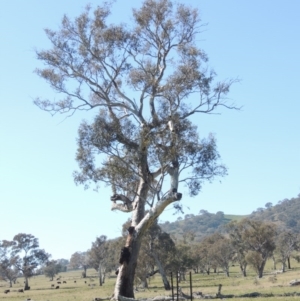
(26, 287)
(283, 266)
(125, 280)
(129, 254)
(84, 272)
(100, 274)
(243, 268)
(140, 223)
(261, 269)
(289, 262)
(274, 263)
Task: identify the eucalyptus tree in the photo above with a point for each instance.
(145, 81)
(7, 270)
(27, 255)
(205, 252)
(223, 253)
(161, 248)
(98, 257)
(80, 260)
(255, 241)
(235, 231)
(286, 242)
(52, 268)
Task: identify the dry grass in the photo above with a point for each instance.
(272, 286)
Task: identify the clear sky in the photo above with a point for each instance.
(255, 41)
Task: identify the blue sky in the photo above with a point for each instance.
(255, 41)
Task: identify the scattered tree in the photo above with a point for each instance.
(97, 257)
(235, 231)
(161, 249)
(268, 205)
(52, 268)
(7, 270)
(119, 70)
(258, 238)
(27, 255)
(286, 243)
(64, 264)
(223, 253)
(79, 260)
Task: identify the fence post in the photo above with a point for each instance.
(177, 276)
(191, 288)
(172, 286)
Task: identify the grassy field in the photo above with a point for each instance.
(271, 287)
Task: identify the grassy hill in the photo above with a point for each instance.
(285, 214)
(198, 226)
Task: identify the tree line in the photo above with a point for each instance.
(245, 243)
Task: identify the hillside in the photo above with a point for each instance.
(285, 214)
(198, 226)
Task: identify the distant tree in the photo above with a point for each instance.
(161, 248)
(145, 82)
(79, 260)
(286, 243)
(220, 214)
(187, 216)
(268, 205)
(97, 257)
(64, 264)
(205, 255)
(145, 267)
(223, 253)
(52, 268)
(7, 270)
(195, 257)
(188, 236)
(235, 231)
(181, 260)
(259, 238)
(205, 252)
(27, 255)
